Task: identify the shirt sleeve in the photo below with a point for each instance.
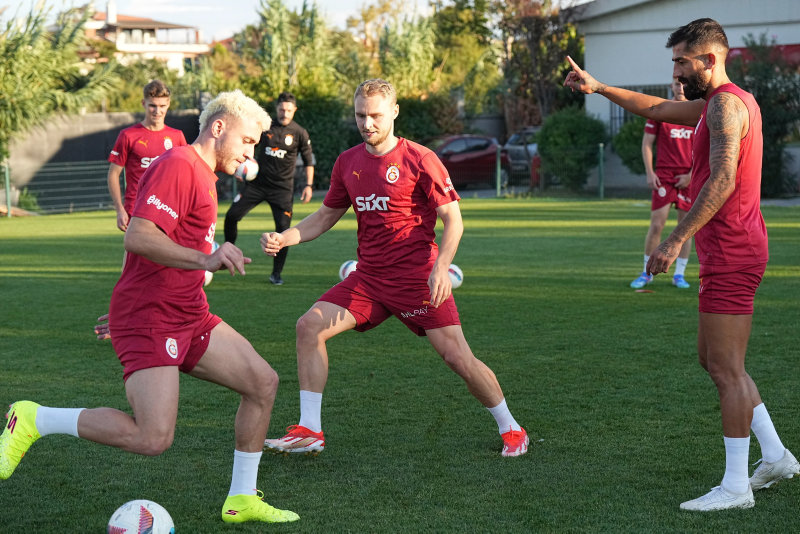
(436, 181)
(119, 154)
(651, 127)
(165, 193)
(305, 148)
(337, 196)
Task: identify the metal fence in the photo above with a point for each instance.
(67, 187)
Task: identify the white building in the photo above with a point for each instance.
(144, 38)
(626, 39)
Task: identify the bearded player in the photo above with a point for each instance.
(397, 189)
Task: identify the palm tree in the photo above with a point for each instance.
(41, 74)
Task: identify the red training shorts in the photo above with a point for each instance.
(729, 289)
(372, 301)
(143, 348)
(669, 194)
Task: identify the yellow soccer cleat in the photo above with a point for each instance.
(241, 508)
(18, 436)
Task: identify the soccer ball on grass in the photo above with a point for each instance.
(140, 516)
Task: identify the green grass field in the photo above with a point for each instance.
(624, 423)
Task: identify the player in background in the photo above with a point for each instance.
(160, 320)
(276, 156)
(730, 239)
(397, 189)
(138, 146)
(669, 181)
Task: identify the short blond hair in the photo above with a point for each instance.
(234, 104)
(376, 86)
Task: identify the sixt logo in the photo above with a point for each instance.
(372, 203)
(275, 152)
(414, 313)
(680, 133)
(154, 200)
(147, 161)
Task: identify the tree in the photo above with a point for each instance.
(406, 56)
(568, 145)
(41, 73)
(775, 84)
(537, 36)
(628, 144)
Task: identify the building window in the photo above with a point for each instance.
(619, 116)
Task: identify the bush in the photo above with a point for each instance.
(568, 146)
(420, 120)
(628, 144)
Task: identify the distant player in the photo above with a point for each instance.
(276, 155)
(397, 189)
(731, 241)
(160, 320)
(669, 181)
(138, 146)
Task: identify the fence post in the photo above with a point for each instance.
(600, 172)
(7, 180)
(497, 170)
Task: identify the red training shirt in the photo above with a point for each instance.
(673, 148)
(395, 197)
(178, 194)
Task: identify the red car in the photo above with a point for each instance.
(472, 159)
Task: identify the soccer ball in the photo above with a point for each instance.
(248, 170)
(456, 276)
(140, 516)
(209, 274)
(347, 267)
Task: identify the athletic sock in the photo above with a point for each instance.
(680, 266)
(646, 259)
(310, 410)
(736, 479)
(245, 473)
(57, 420)
(505, 421)
(772, 448)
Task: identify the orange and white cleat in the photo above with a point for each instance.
(515, 442)
(298, 440)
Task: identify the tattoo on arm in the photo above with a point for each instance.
(725, 118)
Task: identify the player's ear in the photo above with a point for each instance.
(217, 127)
(396, 111)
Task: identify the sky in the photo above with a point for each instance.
(219, 19)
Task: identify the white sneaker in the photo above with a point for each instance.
(720, 499)
(768, 473)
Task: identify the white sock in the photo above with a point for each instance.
(310, 410)
(737, 452)
(505, 421)
(646, 259)
(680, 266)
(57, 420)
(245, 473)
(772, 449)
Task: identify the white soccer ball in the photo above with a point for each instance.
(209, 274)
(347, 267)
(456, 276)
(248, 170)
(140, 516)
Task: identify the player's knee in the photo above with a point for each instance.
(155, 443)
(308, 327)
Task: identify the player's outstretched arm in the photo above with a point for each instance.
(146, 239)
(309, 228)
(651, 107)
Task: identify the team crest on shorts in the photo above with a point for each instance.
(288, 140)
(172, 347)
(167, 143)
(392, 173)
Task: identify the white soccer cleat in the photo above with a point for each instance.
(720, 499)
(767, 474)
(298, 440)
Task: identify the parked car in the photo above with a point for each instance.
(523, 151)
(472, 159)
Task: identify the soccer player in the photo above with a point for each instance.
(276, 156)
(731, 243)
(160, 320)
(397, 189)
(138, 146)
(669, 181)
